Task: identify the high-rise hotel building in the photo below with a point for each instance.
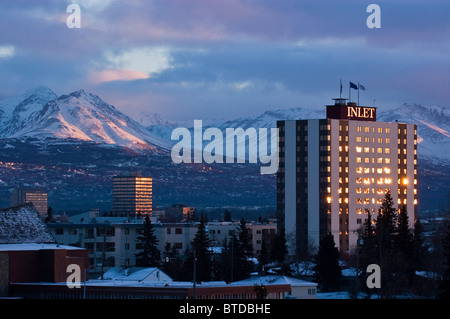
(132, 194)
(334, 172)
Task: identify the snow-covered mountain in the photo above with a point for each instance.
(433, 128)
(433, 125)
(79, 115)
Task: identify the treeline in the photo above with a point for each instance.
(232, 263)
(399, 251)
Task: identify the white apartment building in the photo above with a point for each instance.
(335, 171)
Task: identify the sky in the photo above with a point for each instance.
(208, 59)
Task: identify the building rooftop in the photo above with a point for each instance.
(22, 224)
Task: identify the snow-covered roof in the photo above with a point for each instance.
(135, 273)
(34, 246)
(275, 280)
(22, 224)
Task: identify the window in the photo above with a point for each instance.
(366, 149)
(380, 130)
(358, 149)
(358, 139)
(178, 231)
(367, 129)
(387, 150)
(358, 160)
(358, 129)
(388, 130)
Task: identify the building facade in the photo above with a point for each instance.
(37, 196)
(111, 241)
(334, 172)
(132, 194)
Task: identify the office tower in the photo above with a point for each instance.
(132, 194)
(36, 196)
(335, 171)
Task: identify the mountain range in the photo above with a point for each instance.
(41, 118)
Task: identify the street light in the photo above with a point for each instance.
(84, 286)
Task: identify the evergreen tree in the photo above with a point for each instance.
(149, 256)
(367, 252)
(224, 267)
(227, 216)
(386, 227)
(404, 267)
(242, 251)
(444, 283)
(279, 251)
(420, 250)
(201, 245)
(328, 273)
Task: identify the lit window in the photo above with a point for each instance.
(358, 149)
(387, 180)
(358, 129)
(379, 170)
(358, 190)
(358, 201)
(358, 139)
(366, 129)
(359, 170)
(359, 180)
(387, 170)
(358, 160)
(366, 149)
(359, 211)
(366, 180)
(366, 170)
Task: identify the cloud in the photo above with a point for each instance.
(132, 64)
(116, 75)
(7, 51)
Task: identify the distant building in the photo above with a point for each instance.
(132, 194)
(37, 196)
(336, 171)
(179, 212)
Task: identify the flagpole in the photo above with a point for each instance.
(358, 93)
(349, 92)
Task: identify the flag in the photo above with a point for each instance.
(353, 86)
(341, 87)
(361, 87)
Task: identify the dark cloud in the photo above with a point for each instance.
(227, 57)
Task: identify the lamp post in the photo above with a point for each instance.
(84, 285)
